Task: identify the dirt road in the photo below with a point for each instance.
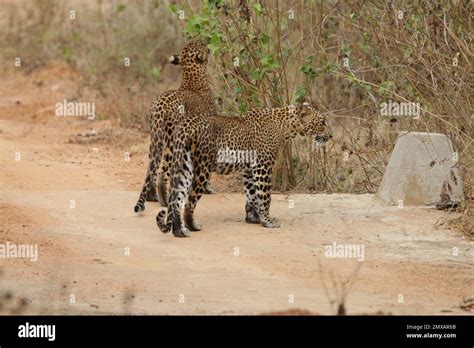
(75, 201)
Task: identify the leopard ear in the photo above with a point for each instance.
(201, 58)
(174, 60)
(305, 109)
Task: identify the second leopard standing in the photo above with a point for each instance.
(259, 135)
(166, 112)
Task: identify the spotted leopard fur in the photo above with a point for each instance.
(165, 113)
(198, 143)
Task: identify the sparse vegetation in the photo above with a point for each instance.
(347, 57)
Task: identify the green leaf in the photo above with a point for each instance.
(214, 49)
(300, 94)
(121, 8)
(307, 68)
(385, 87)
(346, 50)
(269, 63)
(214, 39)
(264, 39)
(243, 107)
(256, 75)
(155, 72)
(328, 67)
(173, 8)
(257, 8)
(215, 3)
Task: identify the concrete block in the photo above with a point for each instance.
(422, 170)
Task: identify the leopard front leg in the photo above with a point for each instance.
(200, 180)
(263, 185)
(164, 179)
(181, 180)
(251, 209)
(164, 186)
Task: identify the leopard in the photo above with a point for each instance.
(253, 141)
(165, 113)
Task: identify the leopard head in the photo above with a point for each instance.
(311, 122)
(194, 53)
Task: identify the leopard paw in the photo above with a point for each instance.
(182, 231)
(251, 217)
(271, 223)
(191, 223)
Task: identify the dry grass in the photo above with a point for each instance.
(464, 223)
(425, 56)
(401, 51)
(97, 43)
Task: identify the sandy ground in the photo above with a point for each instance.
(98, 257)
